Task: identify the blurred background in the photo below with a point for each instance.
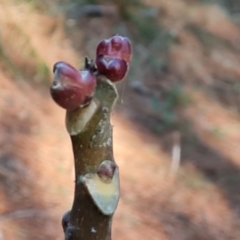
(176, 124)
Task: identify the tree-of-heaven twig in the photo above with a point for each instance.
(88, 96)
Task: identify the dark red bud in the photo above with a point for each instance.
(113, 69)
(106, 170)
(116, 47)
(71, 88)
(89, 81)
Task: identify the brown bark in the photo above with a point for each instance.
(96, 174)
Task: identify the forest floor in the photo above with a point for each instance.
(198, 200)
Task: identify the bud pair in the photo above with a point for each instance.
(73, 88)
(113, 57)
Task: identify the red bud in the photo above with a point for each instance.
(114, 69)
(72, 88)
(116, 47)
(106, 170)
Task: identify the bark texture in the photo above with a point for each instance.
(96, 173)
